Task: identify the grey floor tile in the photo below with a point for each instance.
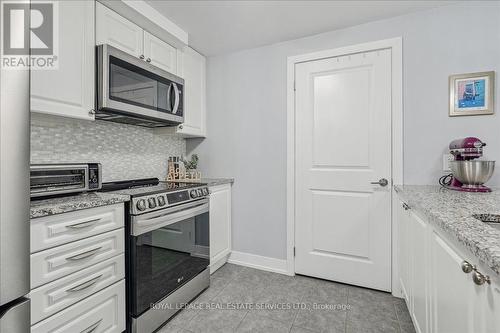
(254, 278)
(407, 327)
(402, 310)
(169, 328)
(278, 306)
(321, 320)
(216, 321)
(228, 272)
(361, 326)
(367, 303)
(296, 329)
(254, 323)
(239, 293)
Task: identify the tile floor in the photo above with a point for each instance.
(369, 310)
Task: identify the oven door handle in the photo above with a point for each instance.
(143, 224)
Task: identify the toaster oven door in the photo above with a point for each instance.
(58, 179)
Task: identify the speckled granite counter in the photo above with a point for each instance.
(45, 207)
(217, 181)
(451, 211)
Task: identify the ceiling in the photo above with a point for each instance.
(218, 27)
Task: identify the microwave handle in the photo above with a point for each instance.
(177, 98)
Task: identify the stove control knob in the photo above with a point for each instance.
(141, 205)
(152, 203)
(205, 191)
(161, 201)
(200, 192)
(193, 194)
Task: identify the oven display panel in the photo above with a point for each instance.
(177, 197)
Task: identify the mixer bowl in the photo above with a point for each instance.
(474, 172)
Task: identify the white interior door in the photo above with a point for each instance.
(343, 144)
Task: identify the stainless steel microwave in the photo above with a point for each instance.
(132, 91)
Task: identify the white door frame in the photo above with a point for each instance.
(395, 44)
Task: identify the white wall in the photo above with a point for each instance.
(247, 110)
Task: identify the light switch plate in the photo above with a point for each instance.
(446, 162)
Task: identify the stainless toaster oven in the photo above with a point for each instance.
(55, 179)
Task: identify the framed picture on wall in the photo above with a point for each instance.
(472, 94)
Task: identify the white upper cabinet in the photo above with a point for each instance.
(117, 31)
(193, 70)
(159, 53)
(69, 90)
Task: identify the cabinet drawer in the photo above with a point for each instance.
(58, 295)
(50, 231)
(101, 312)
(51, 264)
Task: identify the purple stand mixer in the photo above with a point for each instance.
(468, 173)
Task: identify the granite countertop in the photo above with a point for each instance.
(217, 181)
(451, 211)
(59, 205)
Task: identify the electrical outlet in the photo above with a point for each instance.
(446, 162)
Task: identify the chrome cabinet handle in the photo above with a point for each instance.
(92, 327)
(141, 56)
(467, 267)
(82, 225)
(84, 285)
(84, 255)
(480, 278)
(405, 206)
(148, 60)
(382, 182)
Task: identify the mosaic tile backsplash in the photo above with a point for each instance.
(125, 151)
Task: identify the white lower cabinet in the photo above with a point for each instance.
(58, 295)
(78, 271)
(442, 298)
(101, 312)
(220, 225)
(418, 257)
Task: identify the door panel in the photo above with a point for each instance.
(159, 53)
(343, 143)
(117, 31)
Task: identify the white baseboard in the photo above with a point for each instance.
(259, 262)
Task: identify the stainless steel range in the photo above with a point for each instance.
(168, 248)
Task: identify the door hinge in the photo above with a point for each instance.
(294, 89)
(294, 251)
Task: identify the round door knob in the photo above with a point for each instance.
(141, 205)
(479, 278)
(141, 56)
(467, 267)
(148, 59)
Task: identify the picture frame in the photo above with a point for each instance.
(472, 94)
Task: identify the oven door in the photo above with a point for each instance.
(168, 248)
(134, 89)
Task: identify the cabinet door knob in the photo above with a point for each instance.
(141, 56)
(148, 59)
(479, 278)
(181, 127)
(91, 112)
(467, 267)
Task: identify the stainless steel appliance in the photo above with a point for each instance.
(55, 179)
(468, 172)
(14, 195)
(168, 248)
(132, 91)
